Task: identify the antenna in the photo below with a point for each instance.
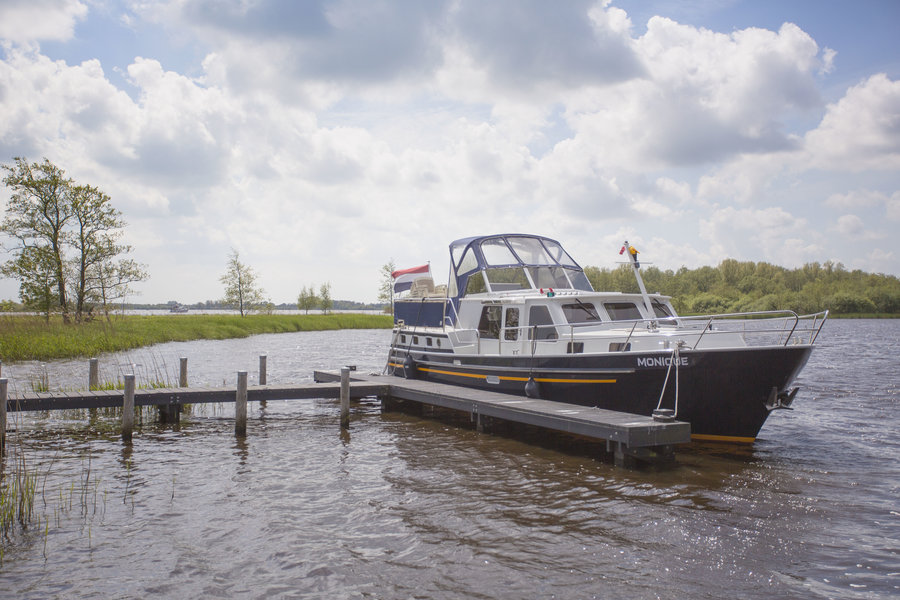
(636, 267)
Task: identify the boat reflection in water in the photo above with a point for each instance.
(518, 315)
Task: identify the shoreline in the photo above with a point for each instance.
(24, 338)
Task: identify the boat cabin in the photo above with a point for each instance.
(515, 287)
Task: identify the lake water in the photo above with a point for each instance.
(404, 507)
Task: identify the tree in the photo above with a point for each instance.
(67, 251)
(36, 272)
(241, 291)
(307, 299)
(325, 301)
(385, 290)
(114, 279)
(97, 275)
(36, 217)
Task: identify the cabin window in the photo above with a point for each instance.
(661, 310)
(575, 347)
(540, 322)
(468, 262)
(619, 347)
(416, 340)
(507, 278)
(512, 325)
(475, 284)
(402, 339)
(428, 341)
(489, 325)
(581, 312)
(622, 311)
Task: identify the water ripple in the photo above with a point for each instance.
(405, 507)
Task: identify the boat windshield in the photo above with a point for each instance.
(513, 262)
(522, 262)
(496, 252)
(531, 251)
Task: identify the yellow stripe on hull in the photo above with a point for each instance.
(509, 378)
(703, 437)
(505, 377)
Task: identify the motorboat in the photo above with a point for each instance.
(518, 315)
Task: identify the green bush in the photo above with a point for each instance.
(707, 303)
(846, 302)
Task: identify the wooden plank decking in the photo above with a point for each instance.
(628, 436)
(39, 401)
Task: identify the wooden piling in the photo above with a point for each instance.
(182, 372)
(171, 413)
(3, 395)
(128, 409)
(240, 405)
(262, 376)
(94, 374)
(345, 397)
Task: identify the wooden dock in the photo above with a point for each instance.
(40, 401)
(628, 437)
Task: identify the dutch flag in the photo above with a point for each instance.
(403, 278)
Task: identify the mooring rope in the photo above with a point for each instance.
(408, 346)
(674, 360)
(391, 353)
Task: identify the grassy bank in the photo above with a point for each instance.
(31, 338)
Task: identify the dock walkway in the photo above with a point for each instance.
(629, 437)
(40, 401)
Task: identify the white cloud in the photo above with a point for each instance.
(892, 207)
(23, 21)
(70, 113)
(705, 97)
(879, 261)
(771, 233)
(861, 131)
(856, 199)
(850, 226)
(329, 136)
(865, 198)
(524, 46)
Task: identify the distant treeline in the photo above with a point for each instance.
(220, 305)
(736, 286)
(11, 306)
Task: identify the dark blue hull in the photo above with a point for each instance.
(726, 395)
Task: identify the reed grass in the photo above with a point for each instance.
(27, 504)
(32, 338)
(17, 494)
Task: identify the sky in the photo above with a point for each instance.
(322, 139)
